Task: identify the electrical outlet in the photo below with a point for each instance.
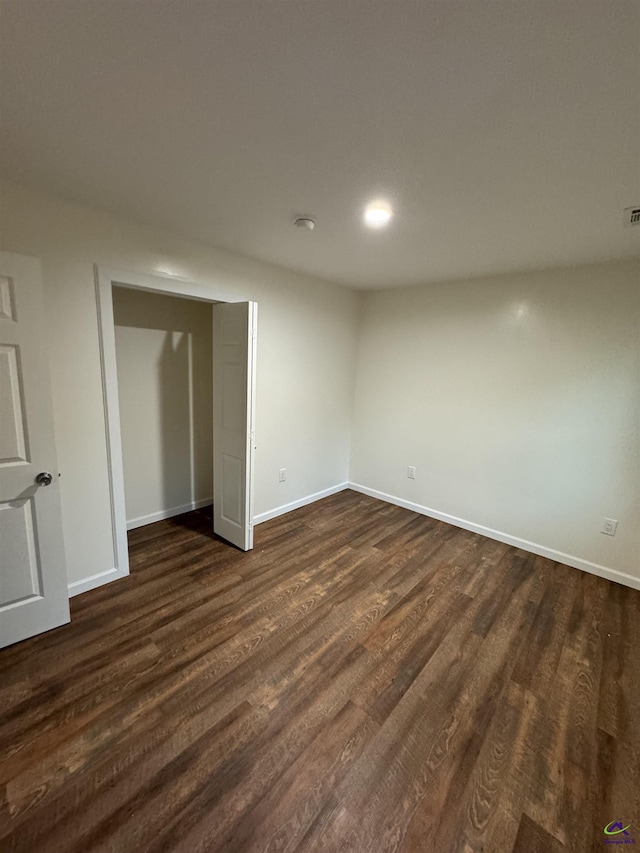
(609, 526)
(282, 475)
(411, 472)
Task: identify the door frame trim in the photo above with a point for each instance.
(169, 285)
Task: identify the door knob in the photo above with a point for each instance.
(44, 478)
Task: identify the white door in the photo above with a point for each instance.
(33, 582)
(234, 346)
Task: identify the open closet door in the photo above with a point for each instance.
(234, 345)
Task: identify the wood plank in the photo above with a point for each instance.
(533, 839)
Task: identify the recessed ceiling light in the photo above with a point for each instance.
(377, 214)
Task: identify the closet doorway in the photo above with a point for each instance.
(178, 371)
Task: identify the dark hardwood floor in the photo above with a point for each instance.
(366, 679)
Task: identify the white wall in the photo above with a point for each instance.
(306, 356)
(518, 401)
(164, 361)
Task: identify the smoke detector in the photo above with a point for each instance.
(632, 216)
(304, 222)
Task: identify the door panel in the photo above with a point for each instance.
(7, 302)
(17, 534)
(33, 583)
(234, 339)
(12, 431)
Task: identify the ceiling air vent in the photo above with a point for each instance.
(631, 216)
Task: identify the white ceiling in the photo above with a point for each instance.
(505, 134)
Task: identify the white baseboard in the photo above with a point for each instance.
(93, 581)
(167, 513)
(524, 544)
(309, 499)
